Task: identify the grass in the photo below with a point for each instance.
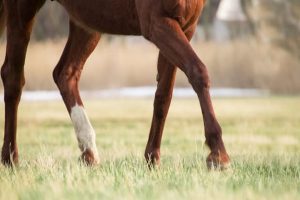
(261, 135)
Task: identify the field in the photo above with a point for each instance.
(261, 134)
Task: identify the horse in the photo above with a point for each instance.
(168, 24)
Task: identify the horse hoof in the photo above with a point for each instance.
(152, 158)
(152, 163)
(89, 157)
(6, 162)
(218, 161)
(9, 160)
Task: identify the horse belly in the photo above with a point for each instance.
(105, 16)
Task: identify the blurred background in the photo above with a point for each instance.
(246, 44)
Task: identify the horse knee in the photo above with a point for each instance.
(198, 76)
(64, 79)
(13, 82)
(55, 75)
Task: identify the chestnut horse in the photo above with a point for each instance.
(169, 24)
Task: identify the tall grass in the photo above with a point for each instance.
(261, 135)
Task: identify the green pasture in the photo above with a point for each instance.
(262, 136)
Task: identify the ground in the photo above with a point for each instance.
(261, 135)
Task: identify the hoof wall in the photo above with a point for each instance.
(89, 158)
(218, 162)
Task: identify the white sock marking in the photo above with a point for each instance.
(84, 130)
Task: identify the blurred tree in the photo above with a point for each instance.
(277, 22)
(274, 21)
(232, 22)
(51, 22)
(208, 17)
(213, 28)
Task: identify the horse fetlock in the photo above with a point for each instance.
(215, 143)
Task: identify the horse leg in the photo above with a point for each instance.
(165, 83)
(19, 24)
(66, 76)
(174, 45)
(2, 18)
(166, 79)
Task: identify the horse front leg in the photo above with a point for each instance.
(167, 34)
(19, 24)
(66, 75)
(165, 83)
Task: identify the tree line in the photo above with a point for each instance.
(271, 21)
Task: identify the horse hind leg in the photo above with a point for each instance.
(66, 76)
(19, 21)
(2, 18)
(163, 96)
(173, 43)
